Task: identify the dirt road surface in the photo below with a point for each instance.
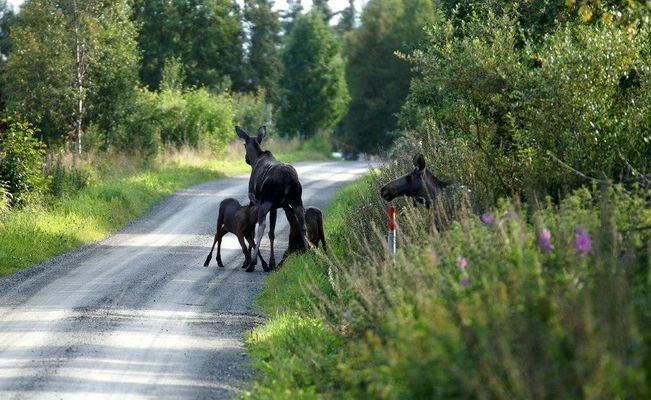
(137, 315)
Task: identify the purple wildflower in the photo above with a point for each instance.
(462, 262)
(487, 218)
(464, 280)
(582, 240)
(545, 240)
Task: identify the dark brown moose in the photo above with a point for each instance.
(420, 184)
(315, 234)
(240, 220)
(314, 225)
(272, 185)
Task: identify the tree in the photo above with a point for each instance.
(263, 55)
(294, 10)
(324, 8)
(347, 21)
(7, 17)
(206, 35)
(68, 56)
(314, 89)
(378, 80)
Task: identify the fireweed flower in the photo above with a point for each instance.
(464, 280)
(487, 219)
(462, 262)
(582, 240)
(545, 240)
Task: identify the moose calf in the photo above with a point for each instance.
(240, 220)
(314, 227)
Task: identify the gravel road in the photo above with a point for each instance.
(137, 315)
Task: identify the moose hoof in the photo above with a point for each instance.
(251, 268)
(220, 265)
(266, 268)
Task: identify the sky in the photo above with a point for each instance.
(15, 3)
(335, 5)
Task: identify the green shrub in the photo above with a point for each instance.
(21, 163)
(519, 114)
(192, 117)
(62, 180)
(209, 119)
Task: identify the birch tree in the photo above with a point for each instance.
(61, 51)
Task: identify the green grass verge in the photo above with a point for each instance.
(35, 234)
(297, 352)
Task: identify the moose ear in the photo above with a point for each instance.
(262, 132)
(419, 161)
(242, 134)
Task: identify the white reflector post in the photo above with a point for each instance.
(391, 229)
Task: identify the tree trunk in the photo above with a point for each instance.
(79, 107)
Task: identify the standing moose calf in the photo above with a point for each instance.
(240, 220)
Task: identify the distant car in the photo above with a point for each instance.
(337, 155)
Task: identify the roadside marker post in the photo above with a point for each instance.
(391, 229)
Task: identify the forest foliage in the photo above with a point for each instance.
(139, 77)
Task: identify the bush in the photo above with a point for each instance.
(508, 106)
(192, 117)
(65, 180)
(21, 163)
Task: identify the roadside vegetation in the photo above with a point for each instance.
(530, 278)
(545, 301)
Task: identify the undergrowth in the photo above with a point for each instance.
(536, 301)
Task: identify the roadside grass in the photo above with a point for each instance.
(37, 233)
(526, 301)
(296, 350)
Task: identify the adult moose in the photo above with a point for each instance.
(420, 184)
(272, 185)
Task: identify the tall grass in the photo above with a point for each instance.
(541, 301)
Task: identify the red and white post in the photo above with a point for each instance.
(391, 229)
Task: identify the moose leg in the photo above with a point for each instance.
(246, 250)
(205, 264)
(263, 210)
(272, 236)
(299, 211)
(322, 236)
(262, 261)
(221, 234)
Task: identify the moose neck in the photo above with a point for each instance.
(259, 154)
(255, 154)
